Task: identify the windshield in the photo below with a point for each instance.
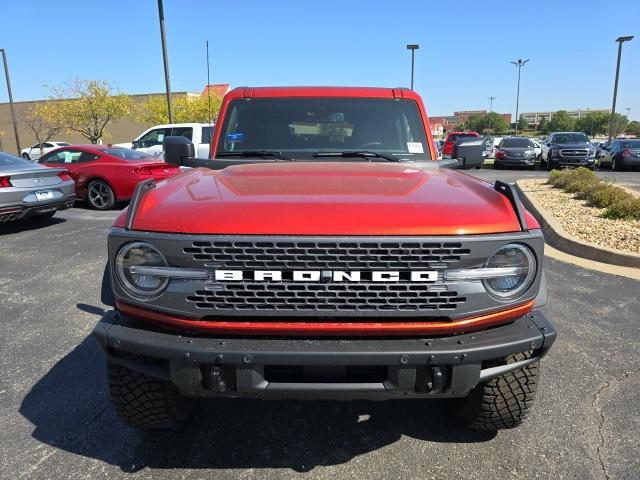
(516, 143)
(301, 127)
(7, 159)
(570, 138)
(127, 154)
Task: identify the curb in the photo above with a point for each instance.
(556, 236)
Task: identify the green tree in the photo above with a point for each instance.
(633, 128)
(495, 122)
(593, 123)
(185, 109)
(522, 124)
(543, 126)
(87, 107)
(619, 124)
(561, 121)
(38, 119)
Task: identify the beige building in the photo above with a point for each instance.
(123, 130)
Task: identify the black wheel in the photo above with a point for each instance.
(548, 165)
(616, 165)
(502, 402)
(497, 166)
(26, 156)
(100, 196)
(146, 402)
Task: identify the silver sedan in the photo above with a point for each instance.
(31, 190)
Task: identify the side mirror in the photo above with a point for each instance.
(468, 152)
(135, 144)
(177, 149)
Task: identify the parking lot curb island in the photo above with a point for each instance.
(558, 238)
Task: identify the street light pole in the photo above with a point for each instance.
(620, 41)
(491, 99)
(413, 49)
(165, 59)
(519, 63)
(13, 111)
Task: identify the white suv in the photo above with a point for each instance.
(33, 152)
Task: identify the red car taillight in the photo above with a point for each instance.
(626, 152)
(500, 154)
(64, 176)
(161, 169)
(5, 182)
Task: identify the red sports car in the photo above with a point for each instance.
(106, 175)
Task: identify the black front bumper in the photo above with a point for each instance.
(367, 368)
(573, 161)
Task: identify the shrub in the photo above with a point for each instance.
(585, 184)
(626, 209)
(604, 194)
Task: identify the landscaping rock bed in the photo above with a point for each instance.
(583, 221)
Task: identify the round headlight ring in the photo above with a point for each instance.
(143, 287)
(520, 282)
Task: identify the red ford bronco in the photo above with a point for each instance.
(324, 252)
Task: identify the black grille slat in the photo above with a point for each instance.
(325, 297)
(325, 255)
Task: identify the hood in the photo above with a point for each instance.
(325, 199)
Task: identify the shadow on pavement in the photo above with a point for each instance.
(17, 226)
(69, 407)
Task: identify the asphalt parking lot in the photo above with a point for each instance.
(56, 420)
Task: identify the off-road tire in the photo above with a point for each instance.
(502, 402)
(143, 401)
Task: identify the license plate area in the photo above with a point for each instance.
(44, 195)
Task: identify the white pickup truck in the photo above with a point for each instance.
(150, 141)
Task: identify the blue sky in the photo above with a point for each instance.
(465, 47)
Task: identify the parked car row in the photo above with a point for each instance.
(100, 175)
(619, 154)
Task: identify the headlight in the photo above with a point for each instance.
(521, 260)
(140, 254)
(529, 152)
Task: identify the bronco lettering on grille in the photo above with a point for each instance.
(326, 276)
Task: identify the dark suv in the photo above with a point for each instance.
(568, 149)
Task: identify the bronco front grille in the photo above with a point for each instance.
(325, 298)
(350, 255)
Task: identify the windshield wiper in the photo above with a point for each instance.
(358, 153)
(256, 153)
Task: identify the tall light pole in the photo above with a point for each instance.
(165, 59)
(13, 111)
(620, 41)
(491, 99)
(413, 49)
(518, 63)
